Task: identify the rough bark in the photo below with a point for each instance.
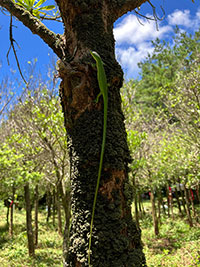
(116, 241)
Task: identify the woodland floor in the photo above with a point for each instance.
(177, 245)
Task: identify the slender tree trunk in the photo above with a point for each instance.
(168, 200)
(49, 203)
(159, 206)
(163, 204)
(154, 215)
(59, 214)
(171, 203)
(7, 215)
(135, 201)
(183, 200)
(11, 224)
(178, 202)
(192, 202)
(29, 229)
(140, 204)
(36, 215)
(54, 206)
(197, 191)
(188, 206)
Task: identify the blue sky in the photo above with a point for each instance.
(133, 41)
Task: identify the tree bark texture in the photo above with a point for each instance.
(116, 241)
(88, 25)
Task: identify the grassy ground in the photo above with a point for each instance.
(14, 252)
(177, 245)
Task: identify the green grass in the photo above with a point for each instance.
(177, 245)
(14, 252)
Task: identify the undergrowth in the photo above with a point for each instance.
(177, 245)
(14, 251)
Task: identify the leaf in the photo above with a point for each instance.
(39, 3)
(50, 7)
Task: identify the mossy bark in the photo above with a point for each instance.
(116, 241)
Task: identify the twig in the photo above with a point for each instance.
(155, 16)
(13, 48)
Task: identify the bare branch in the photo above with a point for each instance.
(14, 51)
(35, 25)
(122, 7)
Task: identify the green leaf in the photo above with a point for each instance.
(50, 7)
(39, 3)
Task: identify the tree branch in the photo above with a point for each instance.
(123, 6)
(53, 40)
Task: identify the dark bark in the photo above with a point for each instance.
(116, 240)
(29, 229)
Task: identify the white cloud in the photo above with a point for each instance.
(137, 39)
(130, 31)
(130, 57)
(180, 18)
(133, 40)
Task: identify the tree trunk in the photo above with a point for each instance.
(178, 202)
(135, 202)
(116, 241)
(192, 202)
(54, 207)
(197, 191)
(29, 229)
(159, 205)
(183, 200)
(36, 216)
(7, 215)
(12, 212)
(59, 214)
(168, 200)
(154, 215)
(49, 203)
(188, 206)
